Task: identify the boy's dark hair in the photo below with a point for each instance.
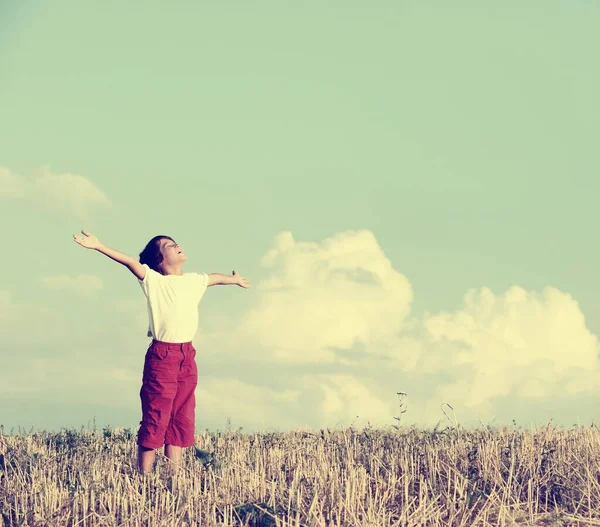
(151, 254)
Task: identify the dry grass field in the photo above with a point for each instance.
(370, 477)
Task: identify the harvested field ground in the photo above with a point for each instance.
(371, 477)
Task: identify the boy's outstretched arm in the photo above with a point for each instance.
(89, 241)
(225, 279)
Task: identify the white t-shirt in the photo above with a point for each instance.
(173, 304)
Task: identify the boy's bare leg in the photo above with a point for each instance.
(174, 453)
(145, 459)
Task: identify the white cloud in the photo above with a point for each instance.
(135, 310)
(317, 297)
(346, 396)
(4, 303)
(69, 194)
(496, 351)
(312, 400)
(520, 344)
(9, 312)
(83, 284)
(329, 336)
(246, 403)
(11, 184)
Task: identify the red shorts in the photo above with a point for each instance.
(168, 399)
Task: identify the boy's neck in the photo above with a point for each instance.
(176, 270)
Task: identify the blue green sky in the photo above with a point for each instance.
(454, 142)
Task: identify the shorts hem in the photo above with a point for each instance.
(155, 446)
(181, 446)
(148, 444)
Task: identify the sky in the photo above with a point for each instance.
(411, 187)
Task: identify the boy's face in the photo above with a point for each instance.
(172, 252)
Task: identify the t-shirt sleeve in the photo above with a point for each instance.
(202, 283)
(148, 279)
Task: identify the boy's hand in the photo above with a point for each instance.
(240, 280)
(88, 240)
